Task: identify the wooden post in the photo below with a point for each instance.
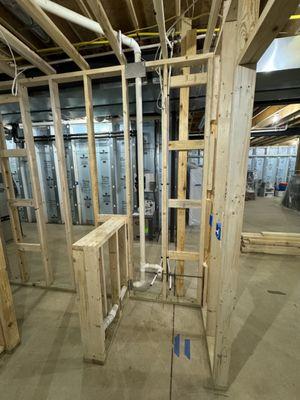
(89, 299)
(88, 97)
(128, 172)
(188, 47)
(35, 184)
(9, 333)
(237, 123)
(164, 178)
(297, 165)
(62, 170)
(122, 240)
(114, 264)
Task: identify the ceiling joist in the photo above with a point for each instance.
(110, 34)
(7, 69)
(52, 30)
(133, 15)
(160, 19)
(260, 119)
(25, 51)
(212, 23)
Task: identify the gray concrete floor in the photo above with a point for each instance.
(141, 365)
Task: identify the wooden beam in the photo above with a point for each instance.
(114, 266)
(25, 51)
(273, 17)
(212, 23)
(52, 30)
(8, 98)
(190, 80)
(62, 173)
(183, 255)
(84, 9)
(133, 15)
(160, 19)
(280, 114)
(110, 34)
(13, 153)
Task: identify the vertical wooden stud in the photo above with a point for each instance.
(114, 263)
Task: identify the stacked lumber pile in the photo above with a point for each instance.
(271, 243)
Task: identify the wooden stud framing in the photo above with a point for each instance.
(13, 212)
(188, 44)
(180, 81)
(132, 13)
(7, 69)
(36, 190)
(186, 145)
(62, 170)
(184, 203)
(9, 333)
(114, 263)
(36, 12)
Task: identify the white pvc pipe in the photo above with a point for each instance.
(94, 26)
(111, 316)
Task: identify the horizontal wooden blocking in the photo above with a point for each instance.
(9, 334)
(183, 255)
(105, 217)
(186, 145)
(271, 243)
(89, 299)
(185, 203)
(21, 203)
(8, 99)
(180, 81)
(13, 153)
(33, 247)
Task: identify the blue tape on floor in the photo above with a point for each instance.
(177, 345)
(187, 348)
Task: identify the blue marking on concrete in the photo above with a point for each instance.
(177, 345)
(187, 348)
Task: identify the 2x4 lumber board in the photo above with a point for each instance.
(128, 174)
(107, 72)
(100, 235)
(272, 19)
(31, 247)
(280, 114)
(230, 8)
(8, 99)
(88, 98)
(179, 81)
(21, 202)
(188, 47)
(13, 153)
(212, 23)
(260, 119)
(123, 255)
(186, 145)
(35, 184)
(132, 13)
(103, 281)
(105, 217)
(269, 249)
(13, 212)
(25, 51)
(207, 164)
(10, 337)
(164, 179)
(114, 267)
(42, 19)
(183, 255)
(234, 200)
(281, 234)
(160, 19)
(110, 34)
(184, 203)
(89, 300)
(62, 171)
